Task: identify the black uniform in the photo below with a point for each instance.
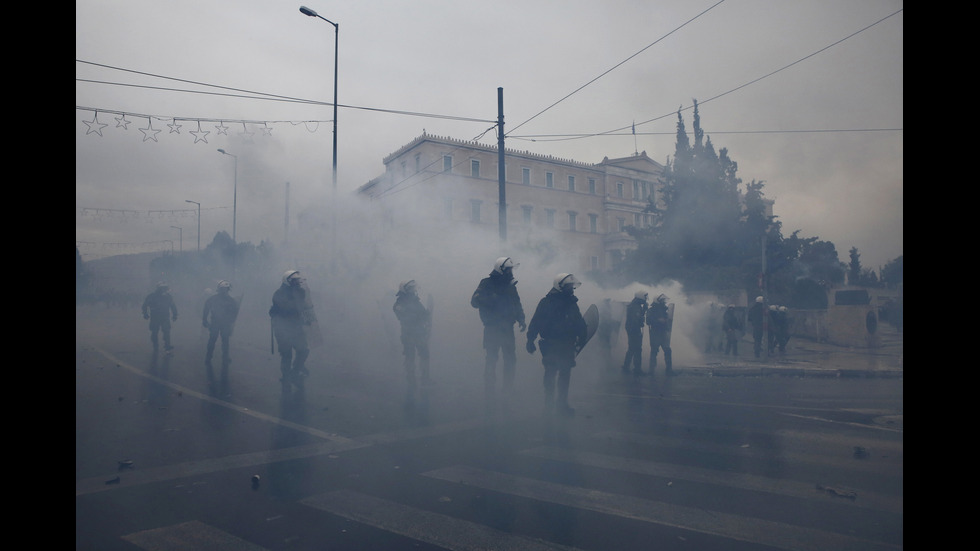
(732, 326)
(559, 322)
(781, 323)
(774, 322)
(291, 311)
(756, 316)
(416, 323)
(157, 307)
(500, 308)
(635, 315)
(220, 313)
(658, 320)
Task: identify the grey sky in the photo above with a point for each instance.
(823, 129)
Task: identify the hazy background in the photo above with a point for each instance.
(804, 95)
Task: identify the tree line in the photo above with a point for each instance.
(711, 232)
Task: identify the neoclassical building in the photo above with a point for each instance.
(578, 207)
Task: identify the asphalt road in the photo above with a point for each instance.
(164, 460)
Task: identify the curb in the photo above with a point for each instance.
(798, 372)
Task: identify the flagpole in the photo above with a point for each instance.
(635, 149)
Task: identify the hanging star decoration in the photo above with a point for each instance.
(245, 134)
(94, 125)
(149, 133)
(200, 135)
(264, 128)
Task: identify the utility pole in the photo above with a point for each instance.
(285, 233)
(501, 172)
(765, 300)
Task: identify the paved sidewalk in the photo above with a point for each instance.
(808, 358)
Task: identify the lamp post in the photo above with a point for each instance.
(180, 236)
(198, 222)
(336, 40)
(234, 205)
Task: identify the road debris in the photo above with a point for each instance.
(837, 492)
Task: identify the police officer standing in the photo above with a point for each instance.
(157, 307)
(659, 322)
(416, 324)
(500, 308)
(220, 313)
(756, 316)
(291, 312)
(782, 329)
(635, 315)
(732, 326)
(563, 331)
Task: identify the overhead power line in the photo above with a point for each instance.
(257, 95)
(249, 94)
(614, 67)
(732, 90)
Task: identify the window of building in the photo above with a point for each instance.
(418, 162)
(592, 186)
(526, 176)
(474, 168)
(636, 190)
(549, 179)
(404, 168)
(593, 223)
(549, 215)
(447, 163)
(619, 190)
(594, 262)
(475, 210)
(637, 220)
(622, 224)
(571, 220)
(571, 183)
(526, 213)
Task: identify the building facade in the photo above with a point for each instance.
(578, 208)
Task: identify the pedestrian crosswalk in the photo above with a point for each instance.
(426, 526)
(436, 524)
(189, 535)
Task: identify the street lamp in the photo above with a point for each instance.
(234, 205)
(198, 222)
(180, 236)
(336, 40)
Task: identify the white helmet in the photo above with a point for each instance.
(564, 281)
(224, 284)
(662, 298)
(759, 299)
(503, 263)
(773, 307)
(731, 306)
(641, 294)
(290, 276)
(782, 308)
(162, 286)
(408, 287)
